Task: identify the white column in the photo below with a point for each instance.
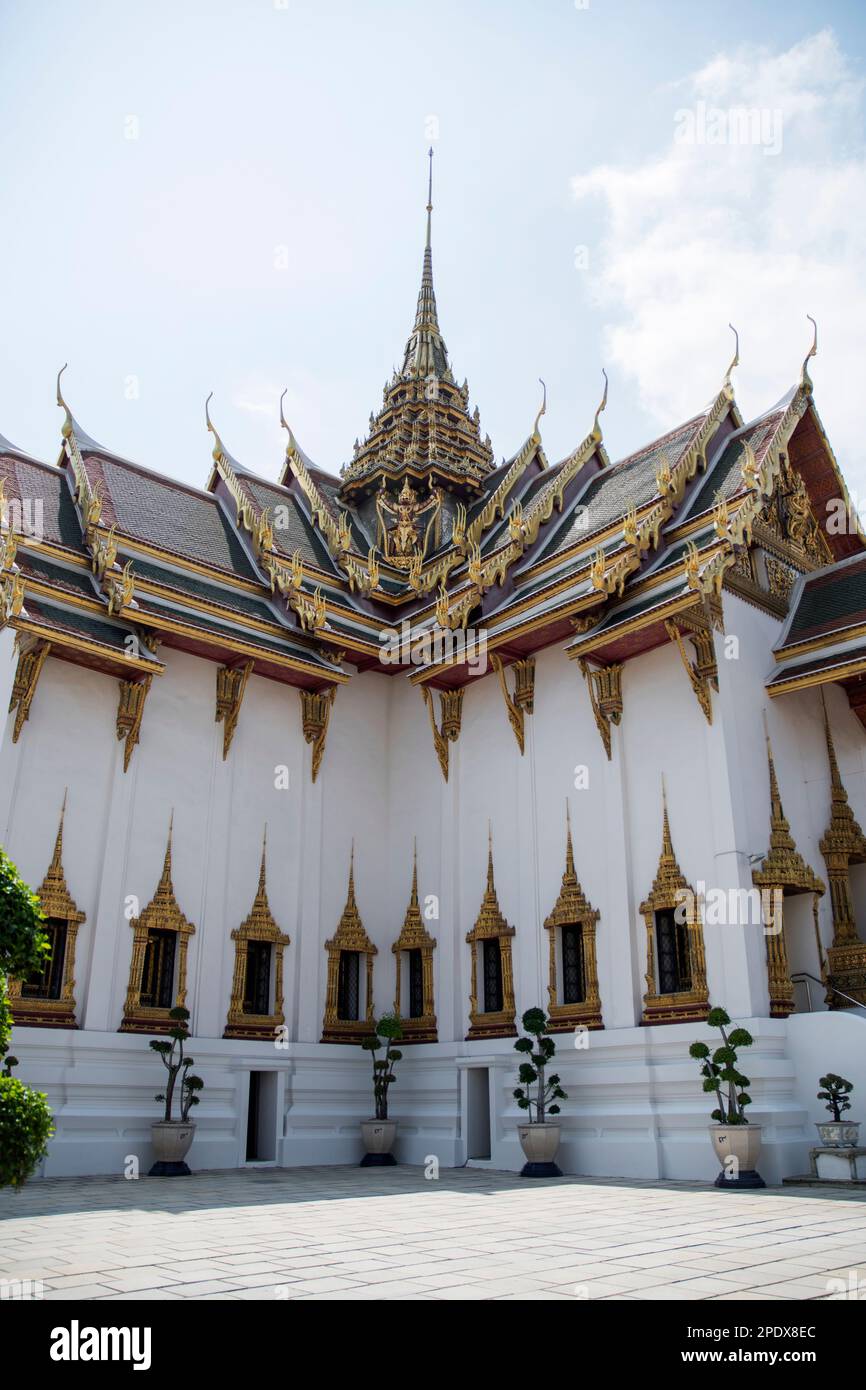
(736, 952)
(452, 1002)
(309, 937)
(209, 991)
(620, 934)
(530, 974)
(107, 971)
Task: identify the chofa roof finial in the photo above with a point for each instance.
(602, 405)
(805, 379)
(218, 450)
(735, 362)
(542, 411)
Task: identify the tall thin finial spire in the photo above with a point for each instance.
(569, 848)
(429, 194)
(414, 897)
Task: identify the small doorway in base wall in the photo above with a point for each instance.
(478, 1113)
(262, 1118)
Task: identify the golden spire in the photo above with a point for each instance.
(805, 379)
(596, 427)
(572, 904)
(53, 893)
(835, 778)
(165, 879)
(667, 842)
(350, 899)
(843, 832)
(55, 868)
(490, 920)
(569, 848)
(262, 894)
(735, 362)
(413, 900)
(783, 866)
(350, 934)
(426, 316)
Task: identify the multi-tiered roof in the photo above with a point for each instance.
(296, 578)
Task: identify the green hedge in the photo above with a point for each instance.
(25, 1128)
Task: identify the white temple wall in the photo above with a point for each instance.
(635, 1107)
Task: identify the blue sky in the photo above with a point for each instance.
(264, 227)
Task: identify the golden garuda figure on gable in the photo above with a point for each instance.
(400, 521)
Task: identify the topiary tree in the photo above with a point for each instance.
(720, 1070)
(541, 1048)
(177, 1066)
(387, 1031)
(25, 1119)
(836, 1092)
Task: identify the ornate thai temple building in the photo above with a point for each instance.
(449, 734)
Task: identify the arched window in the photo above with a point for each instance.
(256, 1007)
(157, 973)
(349, 999)
(46, 1000)
(491, 996)
(573, 974)
(676, 973)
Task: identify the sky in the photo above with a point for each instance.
(228, 196)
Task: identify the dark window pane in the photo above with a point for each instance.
(492, 963)
(573, 986)
(157, 977)
(48, 982)
(672, 946)
(349, 986)
(416, 984)
(257, 988)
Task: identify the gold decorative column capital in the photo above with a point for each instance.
(316, 709)
(522, 701)
(451, 705)
(231, 682)
(130, 710)
(31, 659)
(605, 694)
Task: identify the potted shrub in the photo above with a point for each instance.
(539, 1138)
(25, 1118)
(378, 1134)
(837, 1133)
(173, 1137)
(735, 1142)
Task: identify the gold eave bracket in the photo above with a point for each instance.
(130, 710)
(605, 694)
(703, 672)
(522, 701)
(452, 715)
(31, 659)
(315, 715)
(231, 682)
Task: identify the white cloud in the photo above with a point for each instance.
(706, 233)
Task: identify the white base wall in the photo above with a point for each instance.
(634, 1109)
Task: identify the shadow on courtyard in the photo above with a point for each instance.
(217, 1189)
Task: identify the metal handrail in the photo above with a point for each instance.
(803, 976)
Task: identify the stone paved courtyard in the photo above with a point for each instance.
(350, 1233)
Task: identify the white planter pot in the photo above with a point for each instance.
(540, 1144)
(171, 1141)
(839, 1134)
(378, 1137)
(743, 1144)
